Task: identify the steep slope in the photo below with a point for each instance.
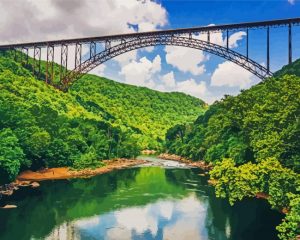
(147, 111)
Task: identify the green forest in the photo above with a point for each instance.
(41, 126)
(253, 142)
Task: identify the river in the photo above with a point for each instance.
(160, 200)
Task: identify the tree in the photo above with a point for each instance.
(11, 156)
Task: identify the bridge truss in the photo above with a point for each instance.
(115, 45)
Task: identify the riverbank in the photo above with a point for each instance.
(66, 172)
(31, 178)
(200, 164)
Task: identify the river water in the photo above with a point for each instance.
(161, 200)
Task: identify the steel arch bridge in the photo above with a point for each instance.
(94, 61)
(115, 45)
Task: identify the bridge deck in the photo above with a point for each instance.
(224, 27)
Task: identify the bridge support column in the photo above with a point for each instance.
(227, 39)
(36, 57)
(50, 64)
(208, 37)
(268, 49)
(27, 55)
(107, 44)
(290, 44)
(63, 61)
(93, 49)
(78, 53)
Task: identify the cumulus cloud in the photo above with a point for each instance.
(58, 19)
(169, 80)
(188, 86)
(291, 2)
(140, 72)
(186, 59)
(53, 19)
(231, 75)
(193, 88)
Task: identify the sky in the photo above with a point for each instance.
(163, 68)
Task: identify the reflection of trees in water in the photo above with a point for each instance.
(252, 216)
(247, 220)
(60, 201)
(243, 221)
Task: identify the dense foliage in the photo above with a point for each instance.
(281, 186)
(253, 141)
(292, 69)
(41, 126)
(150, 113)
(260, 122)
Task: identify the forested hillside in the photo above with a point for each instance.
(150, 113)
(41, 126)
(292, 69)
(253, 141)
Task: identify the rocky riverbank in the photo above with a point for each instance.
(173, 157)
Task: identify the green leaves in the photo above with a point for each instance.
(280, 184)
(147, 112)
(11, 156)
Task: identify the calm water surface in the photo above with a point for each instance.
(165, 201)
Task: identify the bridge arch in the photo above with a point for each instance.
(140, 42)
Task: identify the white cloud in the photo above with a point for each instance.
(140, 72)
(55, 19)
(169, 80)
(193, 88)
(231, 75)
(186, 59)
(126, 58)
(32, 20)
(189, 86)
(291, 2)
(234, 38)
(99, 70)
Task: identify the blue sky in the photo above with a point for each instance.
(182, 14)
(162, 68)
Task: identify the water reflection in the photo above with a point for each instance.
(165, 219)
(139, 203)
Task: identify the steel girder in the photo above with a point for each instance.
(141, 42)
(175, 32)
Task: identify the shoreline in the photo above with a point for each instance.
(67, 172)
(31, 178)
